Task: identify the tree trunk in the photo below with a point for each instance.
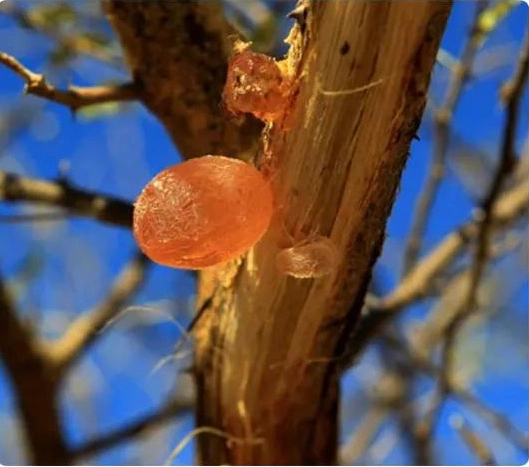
(268, 346)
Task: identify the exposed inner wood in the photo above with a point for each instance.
(268, 347)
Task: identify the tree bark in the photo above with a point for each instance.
(177, 53)
(268, 347)
(35, 385)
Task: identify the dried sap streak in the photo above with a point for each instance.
(202, 212)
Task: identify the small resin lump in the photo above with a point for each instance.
(202, 212)
(256, 85)
(309, 259)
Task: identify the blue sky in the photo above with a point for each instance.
(118, 154)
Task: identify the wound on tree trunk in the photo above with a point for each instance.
(269, 345)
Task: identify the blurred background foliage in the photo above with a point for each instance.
(60, 267)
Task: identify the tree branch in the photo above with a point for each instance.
(179, 51)
(509, 207)
(473, 441)
(134, 429)
(469, 305)
(74, 97)
(35, 383)
(84, 331)
(106, 209)
(497, 420)
(71, 43)
(443, 117)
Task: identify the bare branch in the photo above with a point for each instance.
(362, 437)
(473, 441)
(35, 384)
(16, 188)
(84, 331)
(134, 429)
(469, 305)
(72, 43)
(497, 420)
(74, 97)
(512, 93)
(509, 207)
(443, 117)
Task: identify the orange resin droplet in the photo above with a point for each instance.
(202, 212)
(255, 85)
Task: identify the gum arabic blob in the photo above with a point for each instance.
(202, 212)
(256, 85)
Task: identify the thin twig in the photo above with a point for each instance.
(35, 217)
(443, 118)
(72, 43)
(84, 331)
(35, 383)
(405, 411)
(497, 420)
(134, 429)
(473, 441)
(16, 188)
(74, 97)
(362, 437)
(508, 208)
(481, 256)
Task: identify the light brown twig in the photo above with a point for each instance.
(136, 428)
(497, 420)
(469, 305)
(84, 331)
(74, 97)
(509, 207)
(443, 117)
(473, 441)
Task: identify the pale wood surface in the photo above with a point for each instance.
(267, 347)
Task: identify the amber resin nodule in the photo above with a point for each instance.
(202, 212)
